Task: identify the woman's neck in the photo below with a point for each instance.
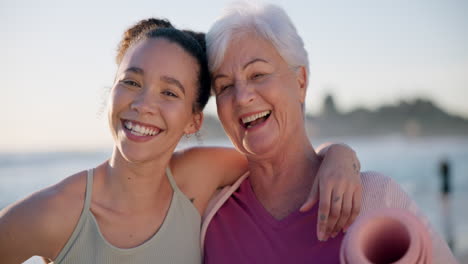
(283, 181)
(134, 186)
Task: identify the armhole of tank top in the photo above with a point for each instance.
(179, 192)
(83, 216)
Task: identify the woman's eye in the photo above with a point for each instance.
(223, 88)
(131, 83)
(169, 93)
(257, 76)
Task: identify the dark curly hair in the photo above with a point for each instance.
(134, 32)
(192, 42)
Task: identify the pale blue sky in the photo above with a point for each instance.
(57, 58)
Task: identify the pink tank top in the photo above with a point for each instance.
(242, 231)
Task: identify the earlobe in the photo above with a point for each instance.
(301, 76)
(195, 125)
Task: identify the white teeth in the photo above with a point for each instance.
(140, 130)
(255, 116)
(128, 125)
(136, 133)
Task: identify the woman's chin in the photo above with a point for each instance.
(134, 155)
(259, 146)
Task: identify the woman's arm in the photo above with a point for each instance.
(23, 226)
(220, 166)
(200, 171)
(39, 224)
(209, 168)
(15, 244)
(338, 189)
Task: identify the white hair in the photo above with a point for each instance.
(267, 20)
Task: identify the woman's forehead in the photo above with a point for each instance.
(246, 48)
(160, 55)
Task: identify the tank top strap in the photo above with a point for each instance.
(89, 190)
(85, 213)
(171, 179)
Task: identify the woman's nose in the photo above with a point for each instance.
(245, 93)
(145, 103)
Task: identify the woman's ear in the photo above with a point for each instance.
(301, 77)
(195, 124)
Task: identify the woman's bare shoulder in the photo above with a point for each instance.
(41, 223)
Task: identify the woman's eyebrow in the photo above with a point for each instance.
(174, 81)
(217, 76)
(254, 61)
(135, 70)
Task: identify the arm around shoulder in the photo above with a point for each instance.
(219, 166)
(200, 171)
(38, 225)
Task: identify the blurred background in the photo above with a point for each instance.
(389, 78)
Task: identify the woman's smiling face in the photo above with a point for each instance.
(259, 97)
(151, 103)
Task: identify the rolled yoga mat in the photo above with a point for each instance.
(387, 236)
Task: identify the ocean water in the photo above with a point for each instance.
(414, 163)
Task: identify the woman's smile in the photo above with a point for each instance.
(253, 120)
(139, 132)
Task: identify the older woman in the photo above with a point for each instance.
(260, 75)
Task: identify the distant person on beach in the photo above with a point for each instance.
(446, 186)
(260, 74)
(145, 203)
(445, 191)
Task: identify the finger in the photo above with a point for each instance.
(357, 199)
(335, 211)
(323, 211)
(346, 208)
(313, 197)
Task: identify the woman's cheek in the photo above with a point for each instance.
(221, 107)
(117, 97)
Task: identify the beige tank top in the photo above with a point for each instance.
(176, 241)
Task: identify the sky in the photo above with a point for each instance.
(57, 59)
